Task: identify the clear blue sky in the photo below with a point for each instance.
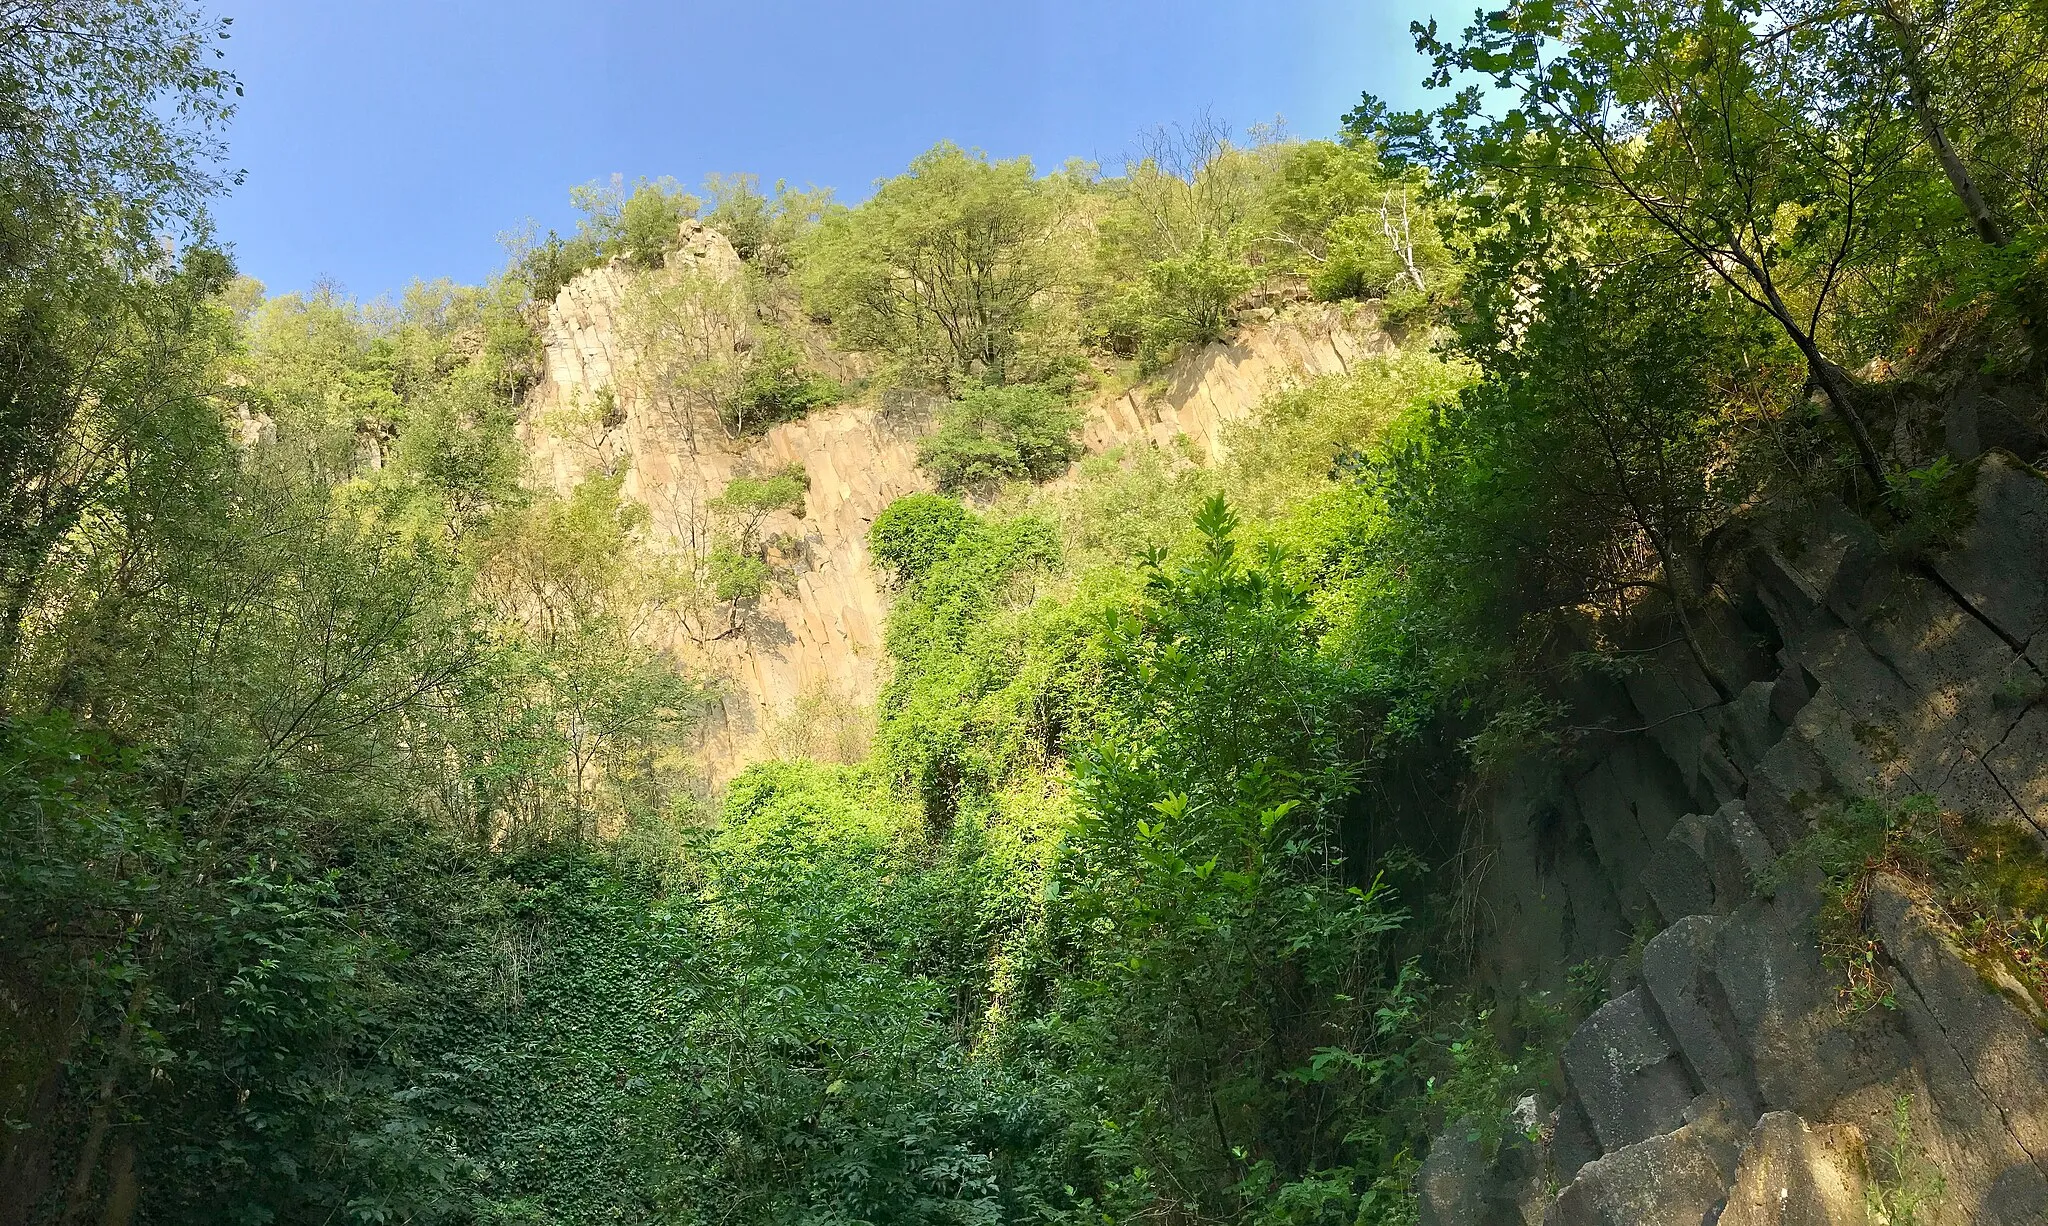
(386, 140)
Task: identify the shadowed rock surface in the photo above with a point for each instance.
(1856, 674)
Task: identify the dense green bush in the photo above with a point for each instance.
(974, 664)
(915, 532)
(1178, 301)
(774, 387)
(995, 434)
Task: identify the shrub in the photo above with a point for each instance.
(1183, 300)
(739, 211)
(738, 577)
(914, 532)
(753, 498)
(642, 226)
(763, 229)
(774, 388)
(554, 262)
(996, 434)
(650, 219)
(703, 352)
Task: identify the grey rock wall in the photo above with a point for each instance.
(1727, 1081)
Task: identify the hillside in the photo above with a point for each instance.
(816, 646)
(1484, 670)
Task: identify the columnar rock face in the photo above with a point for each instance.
(802, 667)
(1730, 1079)
(1207, 393)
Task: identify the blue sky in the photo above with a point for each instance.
(386, 140)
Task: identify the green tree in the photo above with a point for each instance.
(961, 706)
(1207, 858)
(706, 351)
(1734, 135)
(1585, 468)
(111, 111)
(995, 434)
(1354, 227)
(914, 532)
(641, 224)
(1173, 242)
(765, 230)
(951, 270)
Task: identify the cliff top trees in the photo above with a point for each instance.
(764, 229)
(952, 269)
(709, 350)
(641, 224)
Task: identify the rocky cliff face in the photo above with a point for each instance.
(1725, 1081)
(799, 671)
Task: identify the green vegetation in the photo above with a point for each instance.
(712, 349)
(641, 225)
(1907, 1185)
(914, 533)
(355, 867)
(1988, 884)
(951, 270)
(993, 434)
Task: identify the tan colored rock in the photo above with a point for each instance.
(811, 655)
(1207, 392)
(703, 249)
(1795, 1174)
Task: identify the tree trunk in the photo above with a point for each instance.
(1677, 586)
(1834, 384)
(1922, 100)
(1831, 379)
(101, 1121)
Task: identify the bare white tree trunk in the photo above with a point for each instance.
(1401, 237)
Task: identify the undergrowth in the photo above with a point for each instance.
(1904, 1184)
(1988, 882)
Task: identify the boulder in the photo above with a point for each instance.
(1785, 1007)
(1677, 1179)
(1982, 1056)
(1708, 865)
(1737, 856)
(2000, 566)
(1460, 1186)
(1629, 801)
(1984, 1011)
(1572, 1144)
(1809, 552)
(1795, 1174)
(1626, 1074)
(1677, 974)
(1677, 880)
(1784, 788)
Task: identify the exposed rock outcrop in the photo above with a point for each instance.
(1885, 678)
(805, 662)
